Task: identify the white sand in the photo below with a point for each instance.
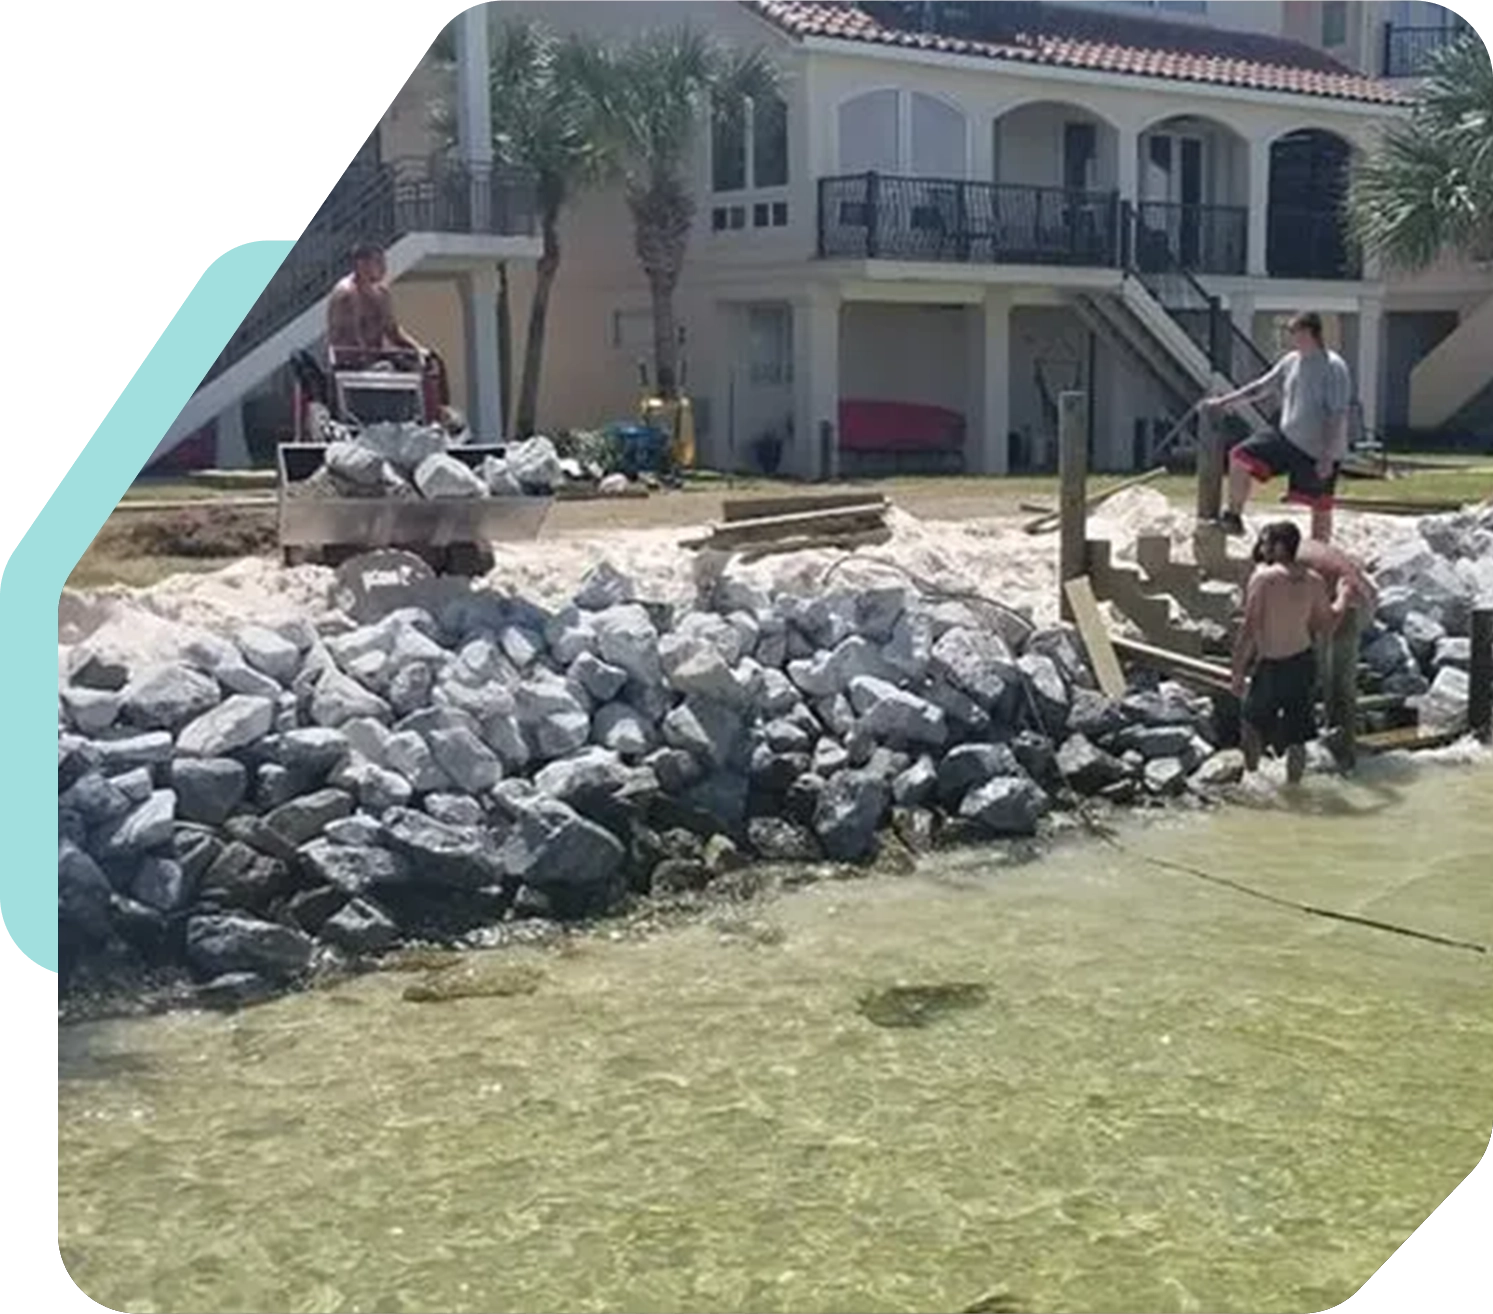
(994, 558)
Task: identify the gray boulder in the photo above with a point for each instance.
(94, 799)
(603, 586)
(116, 755)
(438, 854)
(313, 751)
(969, 766)
(917, 784)
(709, 730)
(208, 789)
(354, 868)
(1086, 768)
(470, 764)
(409, 755)
(160, 883)
(376, 787)
(1159, 741)
(1165, 775)
(302, 818)
(89, 710)
(894, 715)
(148, 825)
(269, 652)
(909, 650)
(600, 680)
(360, 927)
(440, 475)
(1222, 769)
(1049, 692)
(168, 696)
(1453, 652)
(978, 663)
(626, 637)
(1006, 805)
(83, 894)
(454, 809)
(776, 839)
(555, 850)
(621, 728)
(243, 877)
(237, 722)
(337, 698)
(848, 812)
(224, 942)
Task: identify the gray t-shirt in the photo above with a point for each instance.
(1313, 389)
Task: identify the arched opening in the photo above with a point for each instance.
(1192, 201)
(1306, 233)
(1055, 196)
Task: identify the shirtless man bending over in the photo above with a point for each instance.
(1287, 609)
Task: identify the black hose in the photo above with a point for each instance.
(1107, 834)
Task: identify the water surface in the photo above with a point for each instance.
(1167, 1097)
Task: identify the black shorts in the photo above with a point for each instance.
(1282, 698)
(1269, 453)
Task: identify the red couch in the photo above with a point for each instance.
(902, 428)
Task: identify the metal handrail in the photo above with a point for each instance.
(381, 203)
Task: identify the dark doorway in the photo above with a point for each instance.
(1306, 237)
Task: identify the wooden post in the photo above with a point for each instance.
(1339, 669)
(1210, 468)
(1073, 471)
(1480, 676)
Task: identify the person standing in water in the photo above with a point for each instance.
(1337, 652)
(1287, 609)
(1311, 442)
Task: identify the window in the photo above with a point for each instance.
(938, 138)
(770, 143)
(1334, 23)
(752, 144)
(769, 345)
(868, 133)
(728, 152)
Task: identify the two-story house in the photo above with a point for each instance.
(957, 211)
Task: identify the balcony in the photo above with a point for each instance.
(1208, 239)
(381, 203)
(1408, 51)
(1309, 243)
(875, 216)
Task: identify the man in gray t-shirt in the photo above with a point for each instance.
(1311, 441)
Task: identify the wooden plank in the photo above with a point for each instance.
(1095, 635)
(759, 508)
(1073, 474)
(1048, 519)
(812, 522)
(1408, 738)
(1387, 507)
(197, 503)
(1194, 669)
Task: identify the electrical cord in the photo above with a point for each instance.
(1107, 835)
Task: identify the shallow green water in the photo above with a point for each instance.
(1171, 1098)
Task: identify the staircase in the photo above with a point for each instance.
(1454, 373)
(413, 209)
(1188, 607)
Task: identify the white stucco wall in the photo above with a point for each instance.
(905, 353)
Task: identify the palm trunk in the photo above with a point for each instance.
(544, 281)
(662, 216)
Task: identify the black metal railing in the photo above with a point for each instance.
(381, 203)
(1303, 242)
(1209, 238)
(1199, 313)
(1409, 51)
(890, 217)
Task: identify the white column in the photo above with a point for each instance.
(1370, 338)
(987, 450)
(479, 308)
(474, 108)
(1259, 205)
(816, 366)
(230, 447)
(1127, 166)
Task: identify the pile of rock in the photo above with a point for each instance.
(415, 460)
(1419, 643)
(307, 790)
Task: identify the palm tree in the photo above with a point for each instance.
(649, 102)
(1428, 188)
(539, 125)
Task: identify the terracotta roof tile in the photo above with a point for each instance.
(1071, 37)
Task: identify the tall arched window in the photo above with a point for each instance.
(937, 137)
(868, 127)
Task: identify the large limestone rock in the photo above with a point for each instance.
(166, 697)
(227, 942)
(896, 716)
